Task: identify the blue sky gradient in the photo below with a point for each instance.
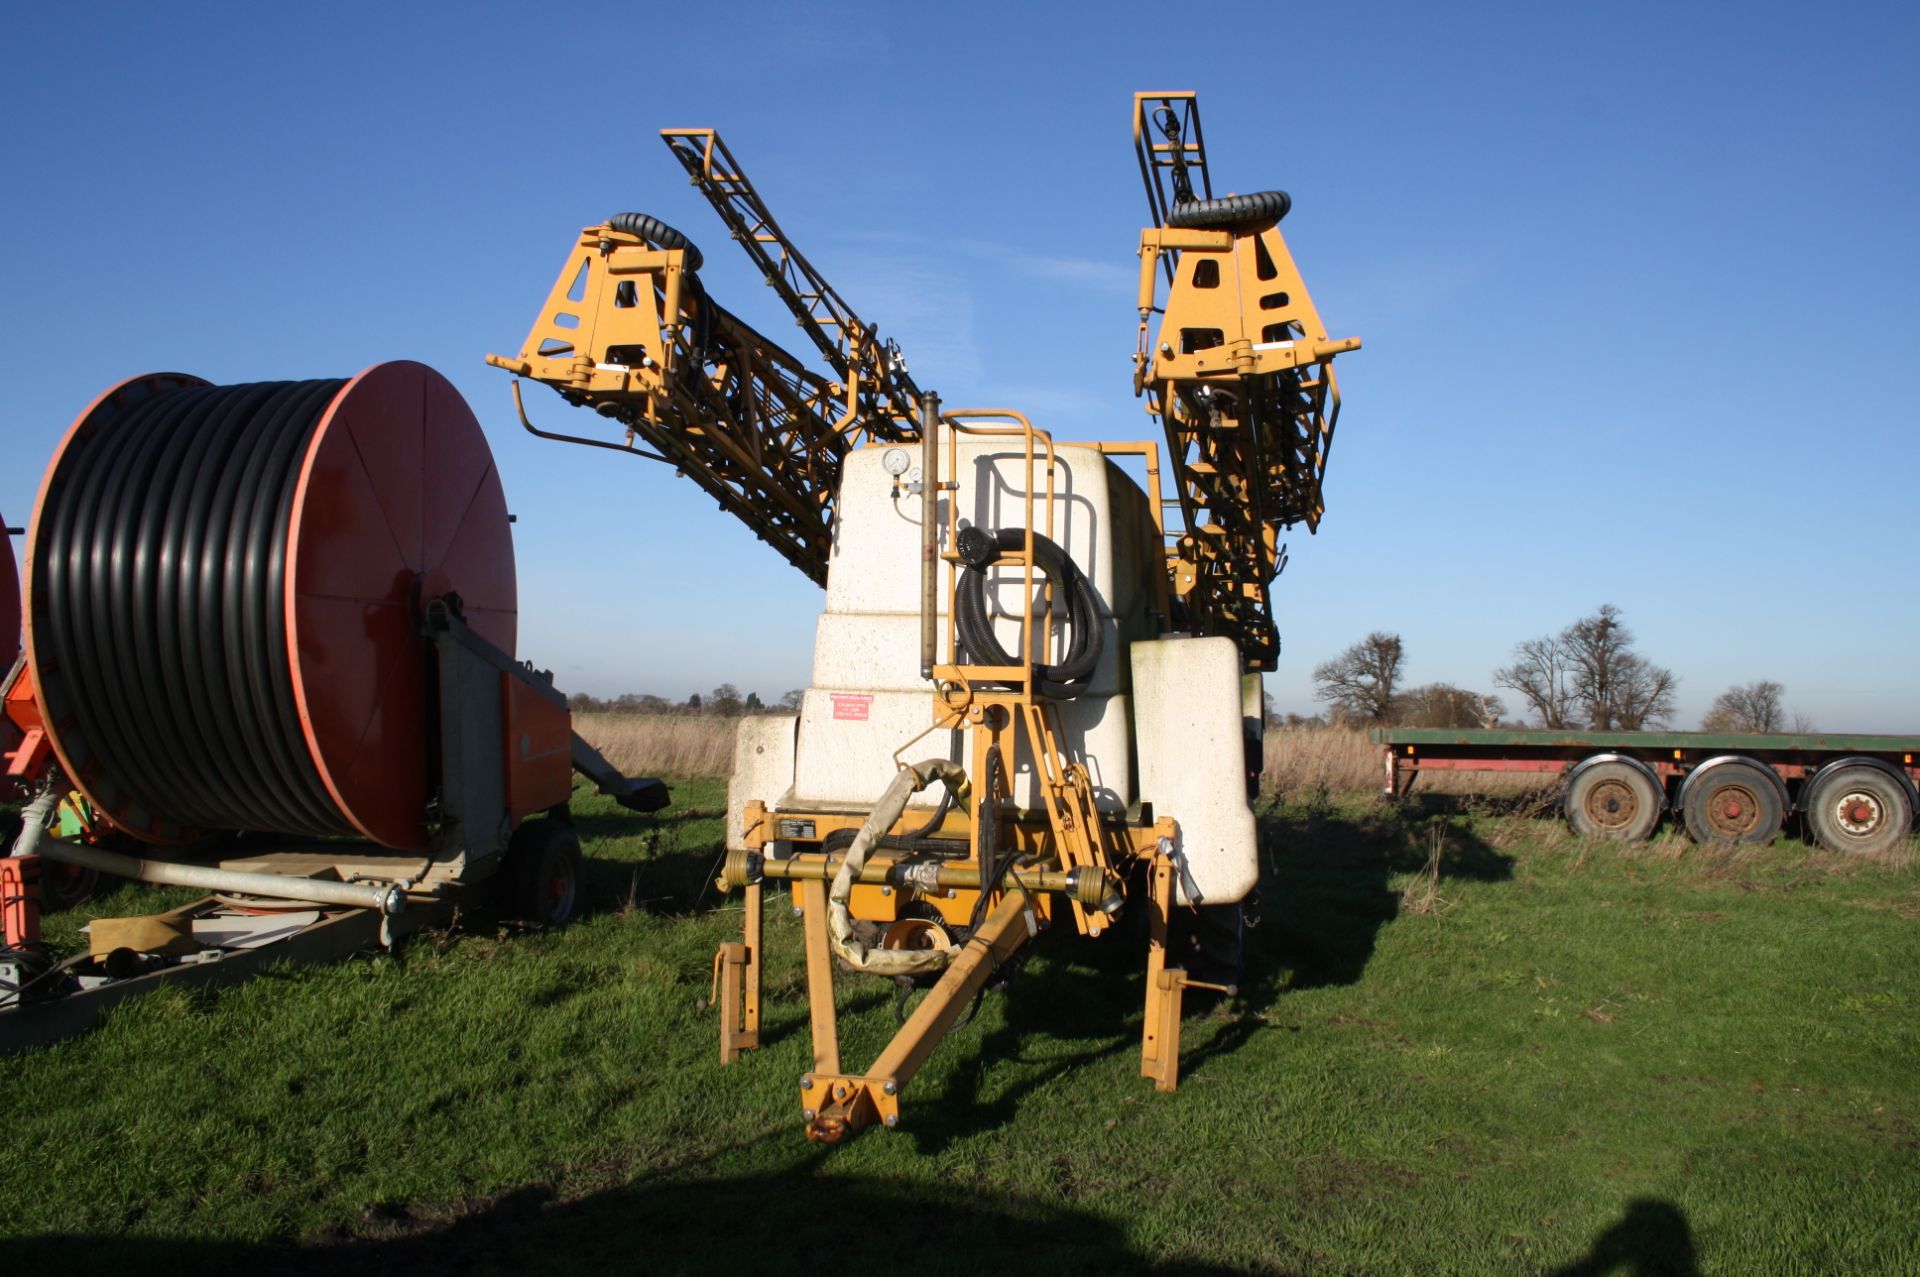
(1637, 283)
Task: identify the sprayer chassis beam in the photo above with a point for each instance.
(837, 1104)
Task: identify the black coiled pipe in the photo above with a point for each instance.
(1071, 675)
(162, 581)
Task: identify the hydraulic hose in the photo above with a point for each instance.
(162, 587)
(840, 931)
(981, 550)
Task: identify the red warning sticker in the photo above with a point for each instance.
(853, 705)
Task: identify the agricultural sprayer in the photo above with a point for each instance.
(1035, 692)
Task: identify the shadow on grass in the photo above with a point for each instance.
(671, 876)
(670, 884)
(785, 1222)
(1325, 885)
(1651, 1240)
(1094, 1001)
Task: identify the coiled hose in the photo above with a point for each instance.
(841, 934)
(980, 550)
(162, 575)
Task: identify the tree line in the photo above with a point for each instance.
(1587, 676)
(724, 701)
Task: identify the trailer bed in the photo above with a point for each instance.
(1858, 792)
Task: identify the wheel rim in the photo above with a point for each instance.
(1733, 811)
(1858, 812)
(561, 889)
(62, 886)
(1612, 806)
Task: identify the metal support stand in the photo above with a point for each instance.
(737, 983)
(1160, 1045)
(1160, 1042)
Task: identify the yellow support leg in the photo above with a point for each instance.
(837, 1105)
(826, 1028)
(736, 985)
(1160, 1043)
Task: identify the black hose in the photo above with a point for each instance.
(980, 549)
(162, 567)
(1231, 211)
(656, 233)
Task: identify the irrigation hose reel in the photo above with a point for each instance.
(225, 594)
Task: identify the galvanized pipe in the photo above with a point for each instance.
(387, 900)
(929, 529)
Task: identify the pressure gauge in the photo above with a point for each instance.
(896, 461)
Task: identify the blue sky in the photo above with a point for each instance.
(1637, 283)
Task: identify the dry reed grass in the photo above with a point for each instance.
(1341, 760)
(661, 744)
(1324, 760)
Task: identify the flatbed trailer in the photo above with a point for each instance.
(1857, 793)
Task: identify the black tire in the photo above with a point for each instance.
(1614, 800)
(1857, 810)
(1209, 943)
(543, 878)
(64, 886)
(1234, 210)
(1734, 803)
(1256, 761)
(658, 234)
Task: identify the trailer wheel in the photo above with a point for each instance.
(1735, 802)
(1613, 800)
(540, 881)
(64, 886)
(1859, 809)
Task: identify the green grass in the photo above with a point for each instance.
(1559, 1056)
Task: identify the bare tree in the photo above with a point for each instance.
(1751, 707)
(1643, 694)
(1598, 648)
(1444, 705)
(1541, 674)
(1589, 670)
(725, 701)
(792, 700)
(1360, 682)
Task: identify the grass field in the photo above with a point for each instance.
(1543, 1056)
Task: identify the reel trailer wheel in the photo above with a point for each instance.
(542, 880)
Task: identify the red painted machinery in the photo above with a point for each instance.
(270, 630)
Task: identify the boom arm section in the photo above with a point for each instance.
(1238, 369)
(888, 399)
(628, 331)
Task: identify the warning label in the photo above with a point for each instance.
(853, 705)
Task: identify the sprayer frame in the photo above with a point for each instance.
(1070, 851)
